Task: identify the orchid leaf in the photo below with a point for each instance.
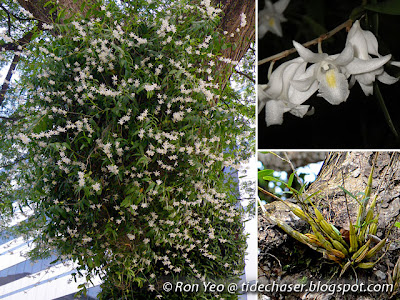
(382, 104)
(389, 7)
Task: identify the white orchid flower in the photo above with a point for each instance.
(365, 43)
(278, 96)
(331, 72)
(270, 18)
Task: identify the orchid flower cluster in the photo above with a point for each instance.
(293, 82)
(127, 142)
(271, 17)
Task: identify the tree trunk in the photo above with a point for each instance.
(41, 12)
(231, 21)
(351, 171)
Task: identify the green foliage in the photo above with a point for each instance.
(391, 7)
(126, 136)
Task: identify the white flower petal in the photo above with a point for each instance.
(274, 110)
(262, 30)
(395, 63)
(303, 85)
(299, 97)
(372, 42)
(368, 89)
(299, 110)
(357, 39)
(279, 76)
(275, 82)
(365, 78)
(333, 87)
(345, 57)
(358, 66)
(269, 7)
(308, 55)
(304, 81)
(275, 26)
(281, 5)
(386, 78)
(262, 96)
(352, 81)
(289, 72)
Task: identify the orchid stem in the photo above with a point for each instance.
(270, 69)
(320, 46)
(382, 104)
(322, 37)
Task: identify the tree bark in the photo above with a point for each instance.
(243, 39)
(41, 12)
(351, 171)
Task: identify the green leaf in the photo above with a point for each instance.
(41, 125)
(389, 7)
(350, 194)
(397, 224)
(128, 201)
(290, 181)
(271, 178)
(263, 173)
(48, 3)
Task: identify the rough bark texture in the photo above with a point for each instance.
(351, 170)
(232, 9)
(298, 159)
(231, 21)
(40, 12)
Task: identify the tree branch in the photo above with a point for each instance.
(7, 80)
(325, 36)
(13, 15)
(14, 46)
(245, 75)
(14, 162)
(11, 118)
(8, 18)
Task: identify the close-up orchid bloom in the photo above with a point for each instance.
(331, 71)
(365, 43)
(271, 17)
(344, 52)
(278, 96)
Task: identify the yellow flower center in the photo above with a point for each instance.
(271, 22)
(331, 78)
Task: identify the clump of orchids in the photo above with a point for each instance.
(294, 81)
